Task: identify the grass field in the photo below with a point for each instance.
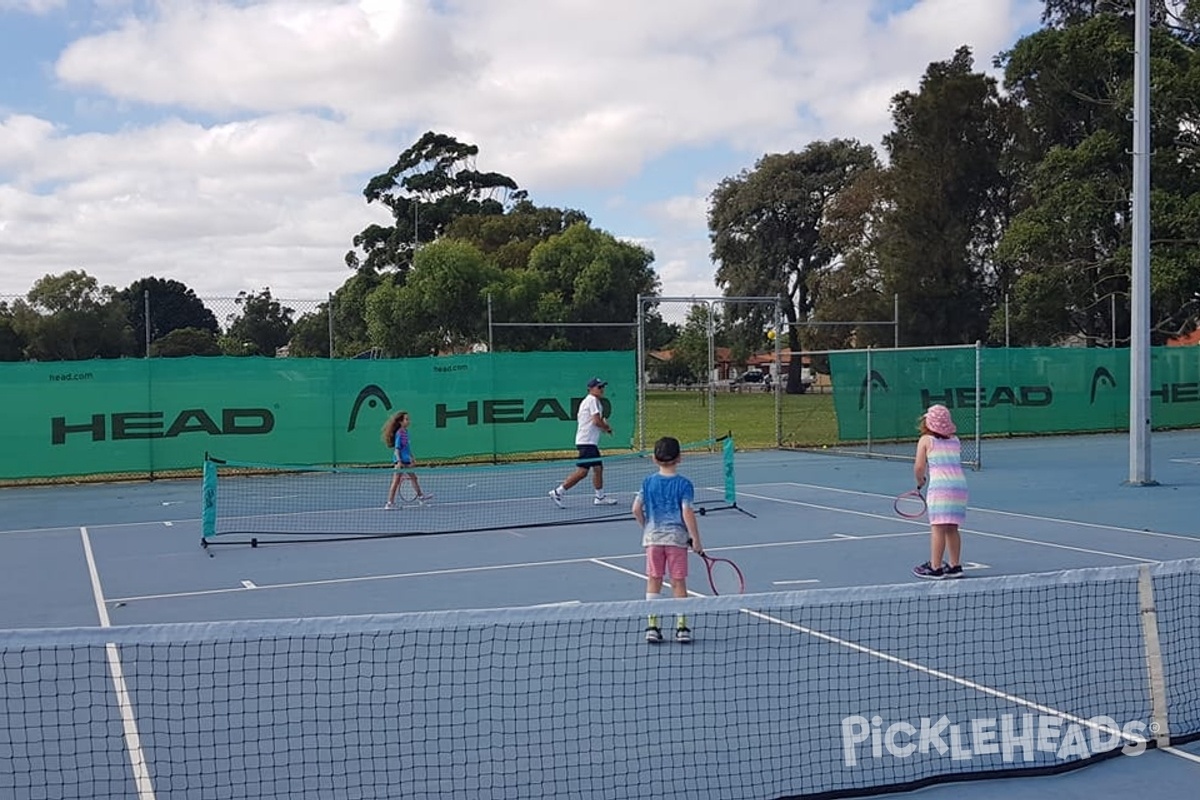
(806, 419)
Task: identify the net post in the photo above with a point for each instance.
(1159, 725)
(978, 465)
(727, 470)
(208, 493)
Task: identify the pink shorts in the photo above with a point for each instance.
(666, 559)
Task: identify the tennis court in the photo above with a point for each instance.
(143, 665)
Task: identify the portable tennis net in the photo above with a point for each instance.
(824, 693)
(268, 503)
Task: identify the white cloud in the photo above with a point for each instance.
(252, 125)
(31, 6)
(224, 208)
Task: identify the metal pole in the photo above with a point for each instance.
(712, 369)
(149, 378)
(896, 319)
(1139, 331)
(870, 392)
(146, 317)
(1112, 342)
(1006, 319)
(491, 346)
(978, 404)
(779, 377)
(641, 376)
(329, 316)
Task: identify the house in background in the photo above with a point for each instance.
(1185, 340)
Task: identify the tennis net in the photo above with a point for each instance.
(823, 693)
(288, 503)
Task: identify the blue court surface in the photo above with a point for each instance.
(114, 555)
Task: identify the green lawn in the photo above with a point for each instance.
(807, 419)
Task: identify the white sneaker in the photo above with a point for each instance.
(388, 506)
(557, 497)
(605, 501)
(424, 498)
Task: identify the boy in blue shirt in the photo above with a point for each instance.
(663, 507)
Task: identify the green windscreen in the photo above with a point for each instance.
(151, 415)
(1020, 391)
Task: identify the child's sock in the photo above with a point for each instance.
(653, 619)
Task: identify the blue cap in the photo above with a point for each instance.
(594, 382)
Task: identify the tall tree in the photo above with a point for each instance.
(1179, 17)
(591, 277)
(12, 343)
(1067, 255)
(949, 201)
(310, 334)
(851, 288)
(186, 342)
(442, 307)
(431, 184)
(69, 317)
(765, 228)
(172, 306)
(508, 238)
(262, 326)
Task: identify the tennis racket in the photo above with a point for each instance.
(407, 492)
(910, 505)
(724, 577)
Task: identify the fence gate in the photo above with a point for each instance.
(721, 368)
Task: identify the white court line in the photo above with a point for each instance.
(974, 531)
(1175, 751)
(362, 578)
(794, 583)
(433, 573)
(133, 741)
(981, 510)
(945, 676)
(636, 574)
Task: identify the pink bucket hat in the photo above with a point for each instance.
(938, 420)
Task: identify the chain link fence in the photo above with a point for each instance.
(250, 324)
(866, 414)
(711, 366)
(694, 355)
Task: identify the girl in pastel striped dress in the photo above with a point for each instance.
(939, 464)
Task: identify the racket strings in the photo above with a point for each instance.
(724, 577)
(910, 505)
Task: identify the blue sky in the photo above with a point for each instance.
(225, 144)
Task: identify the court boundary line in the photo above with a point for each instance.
(983, 510)
(129, 726)
(974, 531)
(1185, 755)
(433, 573)
(945, 676)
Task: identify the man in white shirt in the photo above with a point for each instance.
(591, 422)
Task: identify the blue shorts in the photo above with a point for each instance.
(589, 456)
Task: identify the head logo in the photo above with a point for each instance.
(372, 396)
(874, 381)
(1102, 377)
